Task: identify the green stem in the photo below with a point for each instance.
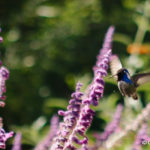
(142, 25)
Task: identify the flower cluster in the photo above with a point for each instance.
(94, 92)
(70, 118)
(3, 137)
(96, 89)
(79, 115)
(4, 75)
(133, 126)
(142, 137)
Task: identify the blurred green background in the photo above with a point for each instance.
(51, 44)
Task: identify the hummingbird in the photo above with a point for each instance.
(127, 84)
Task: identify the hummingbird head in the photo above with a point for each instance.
(123, 75)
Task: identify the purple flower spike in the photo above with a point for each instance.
(93, 93)
(17, 142)
(3, 137)
(4, 75)
(45, 144)
(79, 115)
(70, 119)
(142, 138)
(100, 70)
(108, 39)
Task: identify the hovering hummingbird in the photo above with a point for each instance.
(127, 84)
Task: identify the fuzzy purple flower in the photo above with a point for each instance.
(3, 137)
(70, 119)
(17, 142)
(92, 96)
(4, 75)
(141, 138)
(46, 143)
(96, 88)
(79, 115)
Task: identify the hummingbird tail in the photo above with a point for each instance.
(135, 96)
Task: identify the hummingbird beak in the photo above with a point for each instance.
(113, 75)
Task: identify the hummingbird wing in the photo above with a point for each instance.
(140, 79)
(115, 65)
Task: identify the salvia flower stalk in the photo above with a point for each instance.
(4, 75)
(3, 137)
(70, 119)
(79, 115)
(134, 126)
(17, 142)
(45, 144)
(142, 137)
